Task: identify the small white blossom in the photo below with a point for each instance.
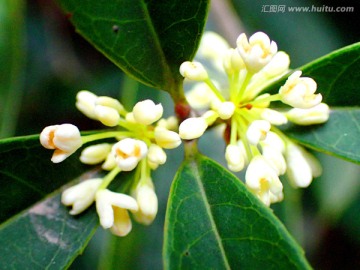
(257, 131)
(146, 112)
(316, 115)
(234, 157)
(156, 156)
(273, 140)
(192, 128)
(275, 159)
(148, 204)
(299, 92)
(111, 103)
(128, 152)
(85, 102)
(200, 96)
(109, 163)
(226, 110)
(112, 210)
(257, 52)
(232, 62)
(166, 138)
(106, 115)
(263, 181)
(193, 71)
(274, 117)
(80, 196)
(95, 154)
(302, 166)
(65, 139)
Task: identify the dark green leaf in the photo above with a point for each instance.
(337, 75)
(148, 39)
(27, 175)
(45, 236)
(339, 136)
(214, 222)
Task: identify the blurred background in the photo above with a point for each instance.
(44, 63)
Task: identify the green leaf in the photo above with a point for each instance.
(214, 222)
(45, 236)
(336, 75)
(148, 39)
(339, 136)
(27, 175)
(12, 62)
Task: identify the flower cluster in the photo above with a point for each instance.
(251, 126)
(139, 139)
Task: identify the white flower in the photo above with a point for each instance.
(316, 115)
(128, 152)
(112, 210)
(171, 123)
(299, 92)
(257, 131)
(274, 117)
(232, 62)
(193, 71)
(263, 181)
(85, 102)
(166, 139)
(109, 163)
(95, 154)
(192, 128)
(146, 112)
(65, 139)
(111, 103)
(273, 140)
(234, 157)
(257, 52)
(302, 166)
(148, 204)
(275, 159)
(81, 196)
(108, 116)
(200, 96)
(156, 156)
(226, 110)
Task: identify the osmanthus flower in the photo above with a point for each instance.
(136, 142)
(252, 134)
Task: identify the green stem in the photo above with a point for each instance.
(275, 97)
(214, 89)
(243, 87)
(109, 177)
(104, 135)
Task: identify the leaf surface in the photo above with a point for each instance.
(214, 222)
(339, 136)
(148, 39)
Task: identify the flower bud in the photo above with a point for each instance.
(156, 156)
(192, 128)
(232, 62)
(302, 166)
(128, 152)
(111, 103)
(85, 103)
(200, 96)
(274, 117)
(257, 52)
(95, 154)
(107, 115)
(226, 110)
(299, 92)
(234, 158)
(111, 208)
(275, 158)
(148, 204)
(81, 196)
(257, 131)
(193, 71)
(316, 115)
(274, 141)
(109, 163)
(65, 139)
(166, 139)
(146, 112)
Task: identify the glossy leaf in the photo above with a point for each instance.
(214, 222)
(148, 39)
(45, 236)
(27, 175)
(336, 75)
(339, 136)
